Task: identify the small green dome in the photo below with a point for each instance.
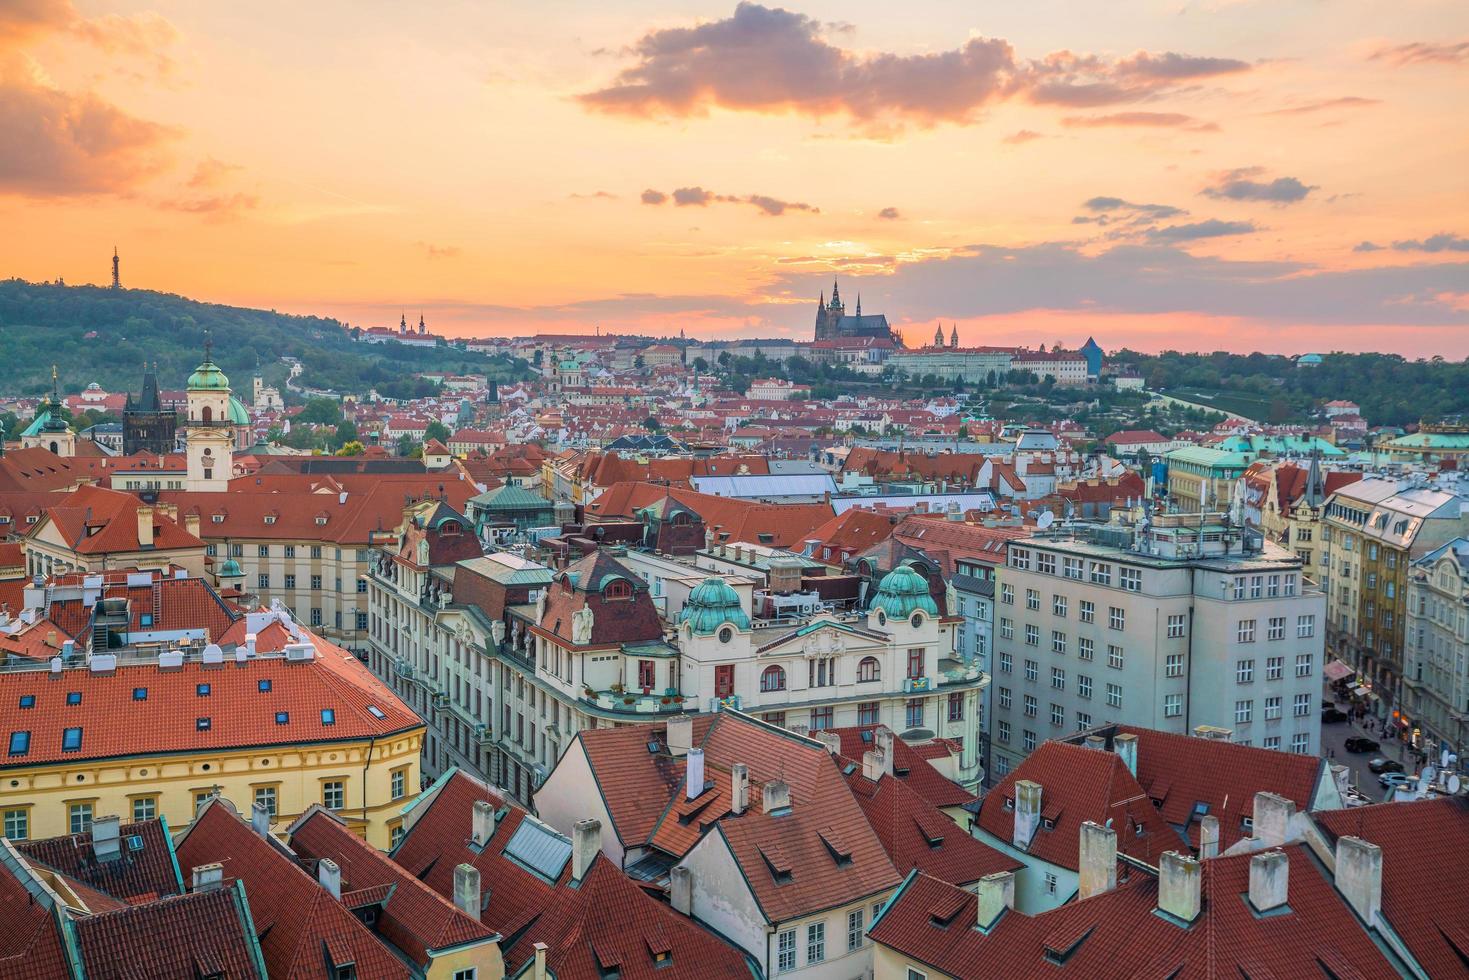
(208, 377)
(239, 415)
(901, 592)
(712, 604)
(231, 569)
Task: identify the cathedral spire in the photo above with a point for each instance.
(859, 304)
(836, 296)
(954, 337)
(938, 335)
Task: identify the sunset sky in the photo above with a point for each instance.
(1279, 175)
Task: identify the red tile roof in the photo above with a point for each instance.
(139, 873)
(1118, 934)
(1178, 771)
(30, 944)
(294, 915)
(916, 834)
(604, 917)
(415, 918)
(1424, 867)
(734, 520)
(96, 521)
(200, 934)
(910, 766)
(114, 724)
(1077, 785)
(614, 621)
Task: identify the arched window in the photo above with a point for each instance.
(773, 679)
(617, 589)
(207, 413)
(869, 669)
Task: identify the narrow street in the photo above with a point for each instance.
(1333, 747)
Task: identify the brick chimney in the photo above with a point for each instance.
(191, 524)
(694, 774)
(1027, 812)
(882, 739)
(1359, 877)
(831, 740)
(330, 876)
(681, 889)
(538, 972)
(260, 819)
(1269, 880)
(775, 795)
(1098, 859)
(106, 845)
(207, 876)
(586, 842)
(483, 822)
(680, 735)
(1179, 883)
(145, 526)
(872, 764)
(1209, 837)
(996, 894)
(1271, 819)
(739, 788)
(1125, 745)
(466, 890)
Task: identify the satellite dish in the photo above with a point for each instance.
(1423, 781)
(1045, 520)
(1454, 783)
(1429, 774)
(1443, 759)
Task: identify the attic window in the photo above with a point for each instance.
(765, 537)
(617, 589)
(946, 909)
(202, 724)
(328, 716)
(140, 694)
(71, 740)
(376, 712)
(320, 518)
(270, 518)
(263, 685)
(145, 619)
(73, 697)
(777, 861)
(20, 743)
(840, 852)
(217, 518)
(202, 690)
(282, 717)
(27, 700)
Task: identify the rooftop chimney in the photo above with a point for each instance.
(739, 788)
(1179, 881)
(694, 774)
(1272, 818)
(1359, 877)
(330, 876)
(680, 734)
(831, 740)
(191, 524)
(1098, 859)
(1269, 880)
(996, 894)
(145, 526)
(1027, 812)
(1125, 745)
(872, 764)
(260, 819)
(466, 890)
(681, 889)
(882, 738)
(483, 822)
(586, 842)
(105, 843)
(775, 795)
(538, 972)
(1096, 742)
(1209, 837)
(207, 876)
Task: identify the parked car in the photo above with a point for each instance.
(1360, 744)
(1395, 780)
(1331, 713)
(1382, 765)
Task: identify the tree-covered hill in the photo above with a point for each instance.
(96, 334)
(1391, 389)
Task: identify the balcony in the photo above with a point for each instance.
(732, 702)
(403, 667)
(483, 736)
(636, 704)
(960, 673)
(917, 685)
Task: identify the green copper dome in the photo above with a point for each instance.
(231, 569)
(712, 604)
(239, 415)
(208, 377)
(901, 592)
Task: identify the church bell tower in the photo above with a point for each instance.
(209, 438)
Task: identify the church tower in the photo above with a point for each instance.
(938, 335)
(209, 438)
(52, 428)
(954, 337)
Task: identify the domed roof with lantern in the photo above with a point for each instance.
(207, 376)
(902, 592)
(710, 605)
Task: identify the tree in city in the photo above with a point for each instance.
(353, 448)
(436, 430)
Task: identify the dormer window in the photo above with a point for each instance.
(617, 589)
(270, 518)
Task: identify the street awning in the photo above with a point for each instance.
(1336, 670)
